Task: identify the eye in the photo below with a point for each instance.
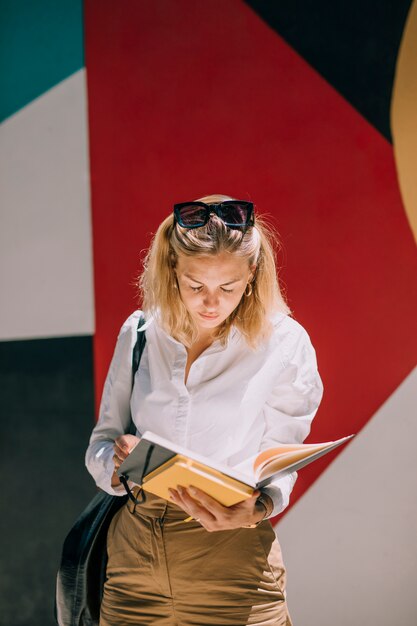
(226, 290)
(195, 289)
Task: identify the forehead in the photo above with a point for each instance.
(219, 266)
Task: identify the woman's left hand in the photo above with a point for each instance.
(213, 515)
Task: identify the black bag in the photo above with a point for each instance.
(82, 572)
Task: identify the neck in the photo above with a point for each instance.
(205, 337)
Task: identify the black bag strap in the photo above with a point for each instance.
(136, 357)
(138, 347)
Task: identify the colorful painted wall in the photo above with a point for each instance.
(111, 112)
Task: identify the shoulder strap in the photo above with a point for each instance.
(138, 348)
(136, 356)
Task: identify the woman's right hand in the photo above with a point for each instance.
(122, 447)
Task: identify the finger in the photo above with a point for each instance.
(209, 503)
(176, 498)
(128, 441)
(117, 462)
(196, 508)
(190, 506)
(246, 505)
(122, 445)
(250, 502)
(122, 441)
(121, 454)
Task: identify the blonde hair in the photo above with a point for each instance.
(159, 288)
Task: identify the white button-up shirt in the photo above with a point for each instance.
(237, 401)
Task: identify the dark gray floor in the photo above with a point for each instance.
(46, 417)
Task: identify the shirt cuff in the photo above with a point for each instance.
(103, 466)
(280, 492)
(276, 496)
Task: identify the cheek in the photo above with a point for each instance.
(189, 299)
(233, 301)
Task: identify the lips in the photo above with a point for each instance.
(208, 317)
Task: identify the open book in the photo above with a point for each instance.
(156, 464)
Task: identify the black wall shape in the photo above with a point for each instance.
(46, 418)
(352, 44)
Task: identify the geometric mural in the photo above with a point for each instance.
(111, 112)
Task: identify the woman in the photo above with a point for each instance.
(226, 372)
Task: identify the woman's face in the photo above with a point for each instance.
(212, 286)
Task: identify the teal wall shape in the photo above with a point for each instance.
(41, 44)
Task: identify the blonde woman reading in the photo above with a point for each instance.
(226, 372)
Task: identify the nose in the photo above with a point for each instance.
(211, 301)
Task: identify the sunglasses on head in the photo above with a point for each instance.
(234, 213)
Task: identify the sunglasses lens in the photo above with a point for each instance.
(234, 214)
(192, 216)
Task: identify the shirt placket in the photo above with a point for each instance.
(182, 425)
(183, 405)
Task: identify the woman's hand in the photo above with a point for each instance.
(213, 515)
(122, 447)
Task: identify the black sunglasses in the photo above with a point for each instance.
(234, 213)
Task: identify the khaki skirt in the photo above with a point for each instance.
(167, 572)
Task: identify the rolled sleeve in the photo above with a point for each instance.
(291, 407)
(114, 413)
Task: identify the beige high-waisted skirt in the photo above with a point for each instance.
(167, 572)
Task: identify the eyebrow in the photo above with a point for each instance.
(230, 282)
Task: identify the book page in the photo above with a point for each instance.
(284, 460)
(275, 460)
(271, 453)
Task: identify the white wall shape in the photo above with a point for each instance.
(46, 277)
(350, 543)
